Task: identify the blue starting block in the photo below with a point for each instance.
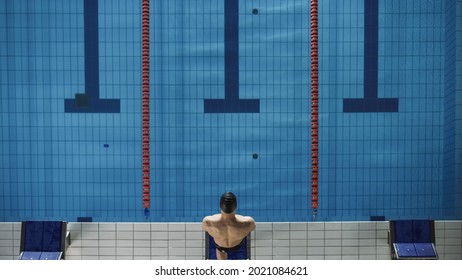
(43, 240)
(243, 253)
(413, 239)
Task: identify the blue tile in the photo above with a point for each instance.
(195, 154)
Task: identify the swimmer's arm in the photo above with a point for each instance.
(251, 223)
(206, 223)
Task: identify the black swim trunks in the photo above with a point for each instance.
(226, 250)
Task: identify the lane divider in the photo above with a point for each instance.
(145, 108)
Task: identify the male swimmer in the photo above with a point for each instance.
(228, 229)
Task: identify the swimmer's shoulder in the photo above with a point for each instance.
(211, 219)
(210, 222)
(247, 220)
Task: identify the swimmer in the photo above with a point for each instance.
(227, 228)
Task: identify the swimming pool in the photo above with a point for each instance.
(390, 119)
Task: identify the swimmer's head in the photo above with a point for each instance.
(228, 202)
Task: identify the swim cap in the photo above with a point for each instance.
(228, 202)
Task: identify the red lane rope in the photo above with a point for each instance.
(314, 106)
(145, 106)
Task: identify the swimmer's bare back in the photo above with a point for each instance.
(228, 230)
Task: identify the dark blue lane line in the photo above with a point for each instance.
(371, 48)
(371, 102)
(89, 102)
(231, 103)
(232, 49)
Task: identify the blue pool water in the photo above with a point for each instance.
(228, 115)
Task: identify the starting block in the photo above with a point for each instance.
(413, 239)
(44, 240)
